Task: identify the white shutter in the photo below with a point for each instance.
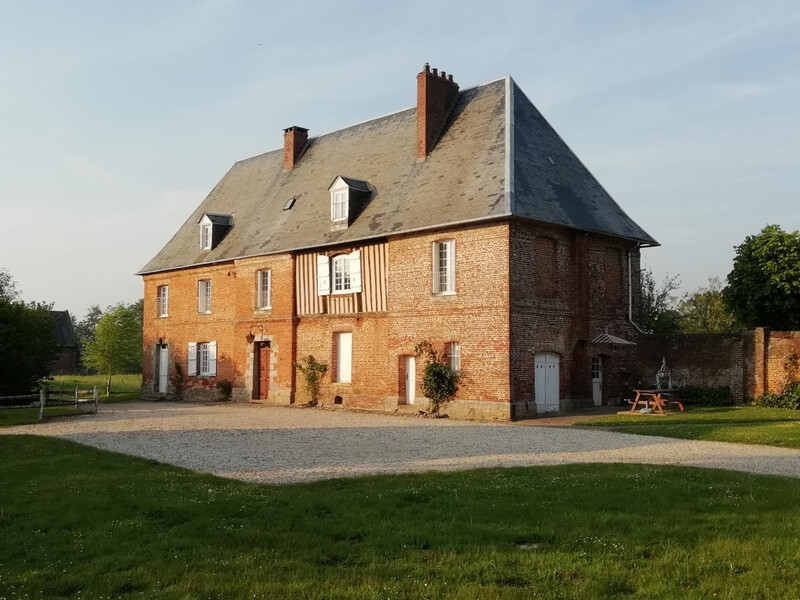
(192, 358)
(323, 275)
(212, 359)
(355, 271)
(451, 266)
(435, 267)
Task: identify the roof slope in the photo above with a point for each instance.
(464, 179)
(64, 330)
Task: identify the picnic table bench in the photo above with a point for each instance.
(655, 399)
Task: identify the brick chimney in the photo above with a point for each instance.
(436, 95)
(294, 140)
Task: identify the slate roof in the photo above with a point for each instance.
(217, 219)
(497, 158)
(64, 330)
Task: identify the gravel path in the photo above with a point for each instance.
(284, 445)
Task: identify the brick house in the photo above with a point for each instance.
(465, 221)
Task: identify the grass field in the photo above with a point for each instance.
(123, 387)
(742, 424)
(81, 523)
(25, 416)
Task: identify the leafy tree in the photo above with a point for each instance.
(84, 329)
(705, 311)
(312, 372)
(28, 340)
(659, 312)
(8, 287)
(764, 286)
(440, 382)
(117, 342)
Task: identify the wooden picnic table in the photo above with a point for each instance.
(655, 399)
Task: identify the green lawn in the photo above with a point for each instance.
(123, 387)
(743, 424)
(76, 522)
(25, 416)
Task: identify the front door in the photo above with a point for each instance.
(163, 368)
(263, 371)
(546, 382)
(597, 380)
(411, 379)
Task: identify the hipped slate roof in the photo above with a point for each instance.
(64, 330)
(497, 158)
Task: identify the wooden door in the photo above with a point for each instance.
(263, 371)
(163, 368)
(547, 382)
(597, 380)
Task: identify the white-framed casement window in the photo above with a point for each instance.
(339, 275)
(444, 267)
(205, 236)
(203, 359)
(339, 205)
(162, 301)
(204, 296)
(264, 289)
(454, 356)
(344, 356)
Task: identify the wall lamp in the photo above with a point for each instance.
(250, 337)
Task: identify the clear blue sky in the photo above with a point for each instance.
(117, 118)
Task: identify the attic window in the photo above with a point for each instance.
(205, 236)
(289, 203)
(213, 228)
(348, 198)
(339, 205)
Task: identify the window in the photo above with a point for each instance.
(344, 357)
(203, 359)
(339, 205)
(444, 267)
(454, 356)
(162, 300)
(205, 237)
(344, 270)
(204, 296)
(264, 289)
(341, 273)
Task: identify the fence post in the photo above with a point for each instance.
(76, 397)
(95, 399)
(42, 398)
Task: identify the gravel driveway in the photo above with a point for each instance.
(283, 445)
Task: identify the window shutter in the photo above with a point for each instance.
(435, 267)
(355, 271)
(192, 358)
(212, 359)
(451, 266)
(166, 300)
(323, 275)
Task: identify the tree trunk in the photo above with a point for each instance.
(108, 386)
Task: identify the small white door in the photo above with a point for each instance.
(597, 380)
(344, 357)
(546, 382)
(411, 379)
(163, 368)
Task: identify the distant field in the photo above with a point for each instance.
(741, 424)
(123, 387)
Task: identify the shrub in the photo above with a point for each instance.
(178, 382)
(312, 376)
(440, 382)
(789, 398)
(701, 395)
(225, 388)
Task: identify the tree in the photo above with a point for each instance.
(440, 382)
(8, 287)
(117, 342)
(28, 341)
(705, 311)
(764, 286)
(659, 312)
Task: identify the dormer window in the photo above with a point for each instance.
(348, 198)
(214, 227)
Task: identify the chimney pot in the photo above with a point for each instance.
(427, 68)
(444, 75)
(435, 71)
(450, 77)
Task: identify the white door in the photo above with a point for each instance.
(344, 357)
(411, 379)
(546, 382)
(597, 380)
(163, 368)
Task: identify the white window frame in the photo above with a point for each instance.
(444, 268)
(205, 236)
(343, 375)
(340, 270)
(264, 289)
(202, 359)
(454, 356)
(162, 301)
(339, 205)
(204, 296)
